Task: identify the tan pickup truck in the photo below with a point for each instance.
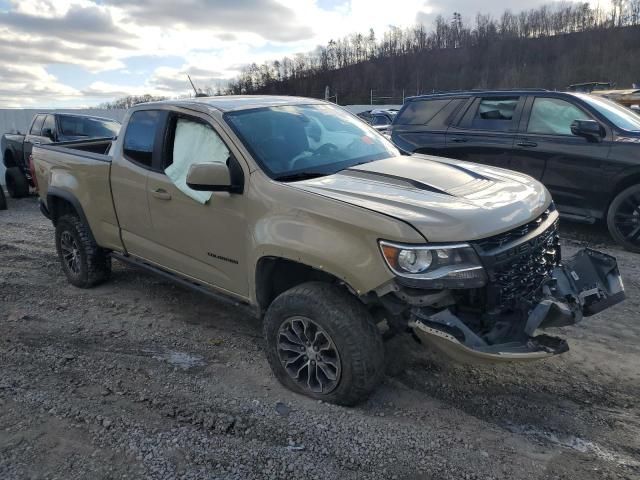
(334, 237)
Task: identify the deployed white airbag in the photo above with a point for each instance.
(194, 142)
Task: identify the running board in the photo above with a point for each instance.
(576, 217)
(184, 281)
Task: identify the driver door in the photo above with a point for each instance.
(205, 241)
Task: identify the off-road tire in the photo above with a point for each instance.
(3, 200)
(618, 208)
(17, 183)
(350, 326)
(94, 263)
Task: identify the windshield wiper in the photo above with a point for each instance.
(293, 177)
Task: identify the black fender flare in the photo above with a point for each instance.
(56, 192)
(11, 150)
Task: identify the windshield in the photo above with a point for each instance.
(291, 142)
(72, 126)
(620, 116)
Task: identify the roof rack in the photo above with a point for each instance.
(477, 90)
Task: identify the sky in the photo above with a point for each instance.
(80, 53)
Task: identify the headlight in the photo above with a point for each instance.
(434, 266)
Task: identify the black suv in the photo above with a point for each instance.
(585, 149)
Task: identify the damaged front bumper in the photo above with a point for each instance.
(582, 285)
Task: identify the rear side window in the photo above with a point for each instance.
(492, 113)
(497, 108)
(37, 125)
(420, 112)
(140, 136)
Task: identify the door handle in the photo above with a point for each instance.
(526, 143)
(459, 140)
(161, 194)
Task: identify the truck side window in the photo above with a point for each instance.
(553, 116)
(140, 136)
(36, 128)
(195, 142)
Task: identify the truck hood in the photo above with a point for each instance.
(445, 200)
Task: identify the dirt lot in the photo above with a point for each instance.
(142, 379)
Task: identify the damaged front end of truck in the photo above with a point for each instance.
(488, 310)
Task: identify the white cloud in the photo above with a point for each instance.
(213, 38)
(30, 84)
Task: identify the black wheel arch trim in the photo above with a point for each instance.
(56, 192)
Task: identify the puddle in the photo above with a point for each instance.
(181, 360)
(574, 443)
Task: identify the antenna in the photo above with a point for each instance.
(198, 93)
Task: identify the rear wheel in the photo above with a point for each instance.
(623, 218)
(17, 183)
(83, 262)
(322, 342)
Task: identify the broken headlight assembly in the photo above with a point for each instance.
(434, 266)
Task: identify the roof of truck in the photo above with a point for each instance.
(242, 102)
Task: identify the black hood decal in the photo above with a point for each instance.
(392, 179)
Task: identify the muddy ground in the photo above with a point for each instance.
(140, 378)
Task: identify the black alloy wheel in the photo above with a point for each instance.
(623, 218)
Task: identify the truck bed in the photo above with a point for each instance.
(60, 168)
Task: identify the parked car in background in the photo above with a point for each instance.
(47, 128)
(296, 209)
(584, 148)
(380, 119)
(629, 97)
(588, 87)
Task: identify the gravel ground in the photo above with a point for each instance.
(140, 378)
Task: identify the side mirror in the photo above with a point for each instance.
(47, 132)
(590, 129)
(210, 177)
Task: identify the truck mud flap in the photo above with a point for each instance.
(583, 285)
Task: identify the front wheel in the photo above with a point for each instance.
(623, 218)
(322, 342)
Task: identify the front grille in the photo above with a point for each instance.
(517, 267)
(501, 239)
